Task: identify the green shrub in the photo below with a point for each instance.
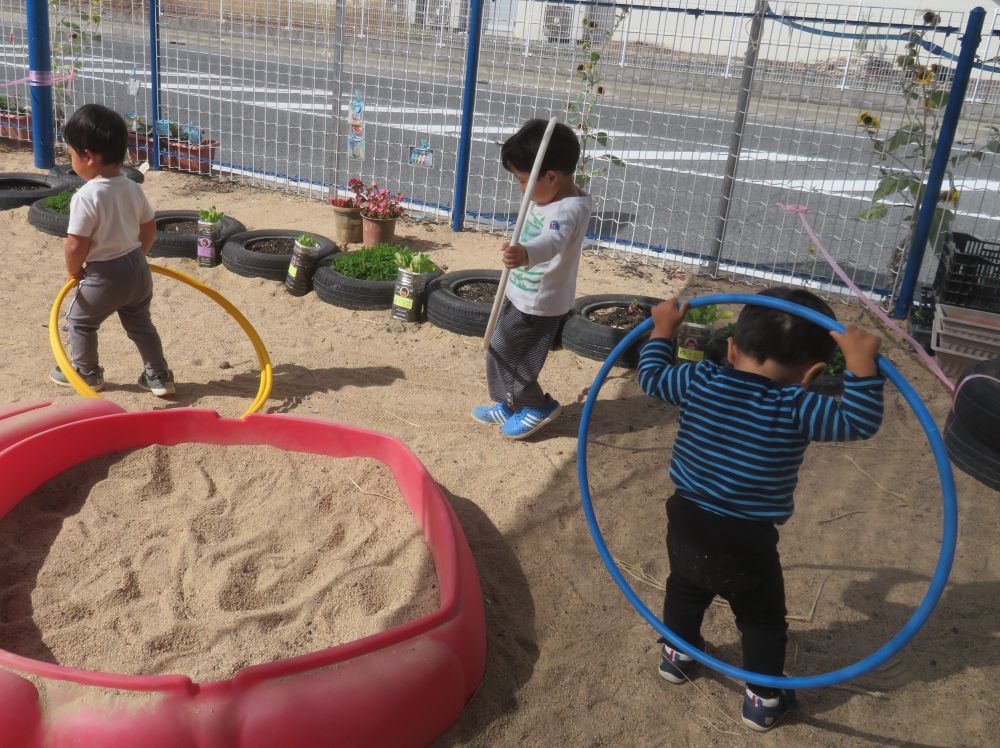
(59, 203)
(377, 263)
(836, 365)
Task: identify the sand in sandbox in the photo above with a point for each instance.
(201, 560)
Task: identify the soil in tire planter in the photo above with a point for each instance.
(275, 246)
(481, 292)
(620, 317)
(187, 228)
(21, 185)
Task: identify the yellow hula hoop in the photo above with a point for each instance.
(83, 389)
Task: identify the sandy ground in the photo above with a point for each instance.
(570, 663)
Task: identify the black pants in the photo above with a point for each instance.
(736, 559)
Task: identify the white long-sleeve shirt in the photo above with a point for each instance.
(553, 236)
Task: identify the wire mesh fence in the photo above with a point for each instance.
(692, 130)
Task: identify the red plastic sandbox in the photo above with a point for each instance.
(401, 687)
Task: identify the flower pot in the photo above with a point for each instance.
(692, 340)
(303, 264)
(410, 294)
(347, 226)
(15, 127)
(187, 157)
(209, 235)
(378, 230)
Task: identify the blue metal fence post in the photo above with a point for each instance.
(946, 136)
(468, 113)
(43, 125)
(154, 79)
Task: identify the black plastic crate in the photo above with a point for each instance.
(968, 273)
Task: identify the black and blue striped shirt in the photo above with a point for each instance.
(742, 436)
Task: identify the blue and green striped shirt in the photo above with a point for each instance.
(742, 436)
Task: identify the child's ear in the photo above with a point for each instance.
(812, 372)
(731, 352)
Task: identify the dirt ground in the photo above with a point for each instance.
(569, 661)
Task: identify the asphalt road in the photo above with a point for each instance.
(285, 122)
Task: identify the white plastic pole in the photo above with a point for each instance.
(522, 215)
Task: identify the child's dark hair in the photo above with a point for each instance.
(521, 148)
(100, 130)
(764, 333)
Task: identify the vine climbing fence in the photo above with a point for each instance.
(698, 116)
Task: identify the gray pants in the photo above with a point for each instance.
(517, 353)
(123, 285)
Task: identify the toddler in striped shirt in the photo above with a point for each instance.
(744, 429)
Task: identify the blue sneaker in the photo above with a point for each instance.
(527, 421)
(495, 415)
(94, 379)
(675, 666)
(762, 714)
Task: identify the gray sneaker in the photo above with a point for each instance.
(94, 379)
(161, 386)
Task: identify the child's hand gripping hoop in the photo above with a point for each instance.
(83, 389)
(948, 533)
(522, 215)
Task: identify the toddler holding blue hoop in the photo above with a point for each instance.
(744, 429)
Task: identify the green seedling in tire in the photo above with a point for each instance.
(304, 240)
(59, 203)
(210, 215)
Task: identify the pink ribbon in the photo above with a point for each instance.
(801, 211)
(42, 78)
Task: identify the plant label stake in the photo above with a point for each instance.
(522, 215)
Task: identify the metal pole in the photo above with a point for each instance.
(40, 79)
(736, 142)
(333, 157)
(850, 52)
(468, 113)
(946, 136)
(154, 79)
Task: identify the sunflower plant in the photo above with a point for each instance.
(906, 153)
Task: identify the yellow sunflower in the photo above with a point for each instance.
(869, 121)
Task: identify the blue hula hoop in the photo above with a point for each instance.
(948, 535)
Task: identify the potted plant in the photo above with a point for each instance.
(599, 322)
(187, 148)
(364, 278)
(695, 332)
(379, 211)
(831, 380)
(922, 318)
(209, 235)
(139, 133)
(347, 225)
(15, 121)
(305, 256)
(410, 294)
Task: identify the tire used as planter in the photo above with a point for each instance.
(977, 402)
(970, 454)
(449, 311)
(47, 220)
(238, 254)
(23, 188)
(170, 243)
(341, 290)
(592, 340)
(65, 171)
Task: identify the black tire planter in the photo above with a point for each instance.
(47, 220)
(592, 340)
(970, 454)
(65, 172)
(38, 187)
(169, 244)
(828, 384)
(977, 404)
(449, 311)
(341, 290)
(243, 260)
